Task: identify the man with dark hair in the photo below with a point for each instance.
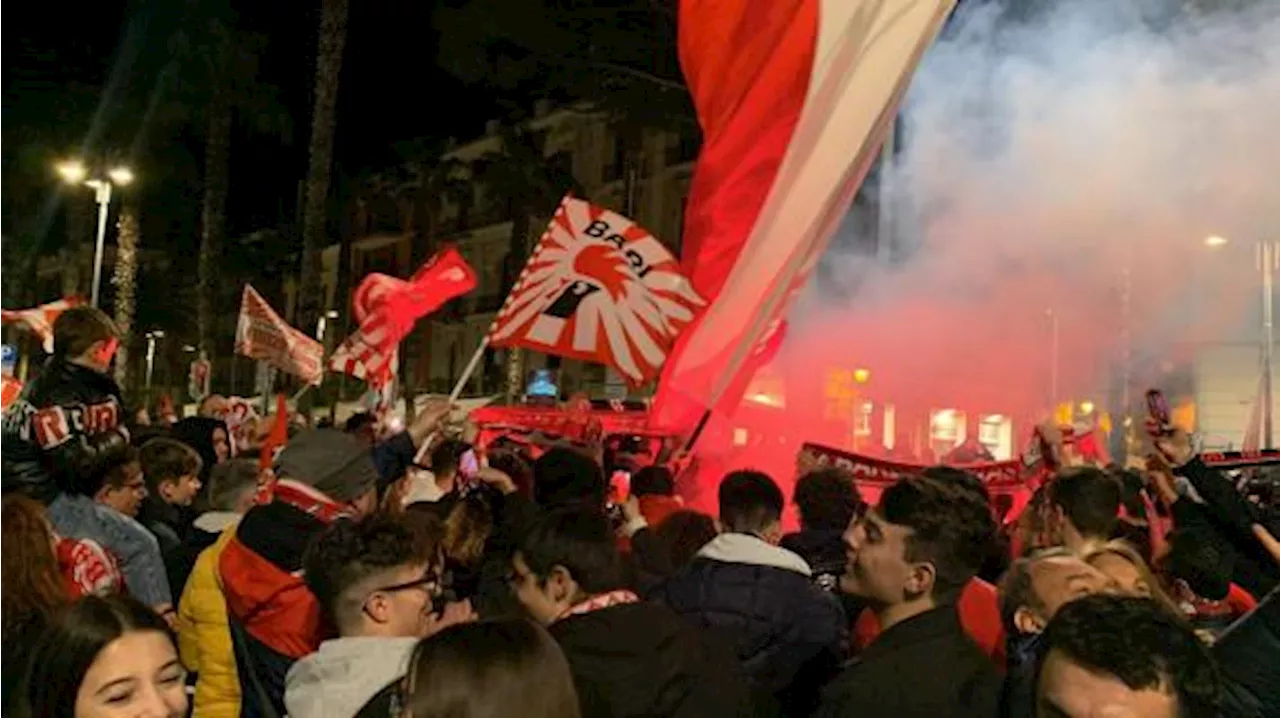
(910, 558)
(172, 471)
(1124, 656)
(232, 487)
(1031, 592)
(324, 475)
(654, 487)
(1084, 505)
(66, 412)
(377, 583)
(564, 477)
(827, 500)
(628, 658)
(789, 635)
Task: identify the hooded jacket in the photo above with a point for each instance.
(55, 427)
(788, 634)
(204, 638)
(640, 659)
(340, 678)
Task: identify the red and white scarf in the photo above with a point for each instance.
(605, 600)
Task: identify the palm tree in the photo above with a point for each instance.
(521, 175)
(333, 36)
(128, 235)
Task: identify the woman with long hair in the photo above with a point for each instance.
(1122, 563)
(32, 589)
(490, 669)
(103, 658)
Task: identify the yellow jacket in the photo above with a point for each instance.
(204, 639)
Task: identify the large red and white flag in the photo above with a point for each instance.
(40, 319)
(262, 334)
(600, 288)
(795, 98)
(386, 309)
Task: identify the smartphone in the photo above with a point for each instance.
(1158, 408)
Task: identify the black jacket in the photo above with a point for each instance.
(924, 667)
(789, 635)
(1247, 655)
(56, 427)
(1232, 518)
(640, 659)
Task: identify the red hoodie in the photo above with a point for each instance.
(979, 608)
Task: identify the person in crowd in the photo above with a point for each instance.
(1246, 654)
(32, 589)
(210, 439)
(446, 459)
(683, 534)
(788, 633)
(628, 658)
(172, 472)
(1084, 505)
(1129, 574)
(564, 476)
(1125, 656)
(123, 490)
(1199, 567)
(324, 475)
(1031, 592)
(827, 500)
(114, 477)
(498, 668)
(394, 455)
(910, 558)
(654, 487)
(103, 658)
(979, 603)
(232, 488)
(214, 406)
(511, 462)
(204, 636)
(377, 585)
(66, 413)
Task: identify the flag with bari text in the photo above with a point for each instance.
(795, 98)
(599, 288)
(40, 319)
(386, 309)
(261, 334)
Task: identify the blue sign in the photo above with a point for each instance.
(8, 355)
(542, 383)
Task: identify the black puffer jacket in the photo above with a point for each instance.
(1246, 655)
(641, 660)
(789, 635)
(56, 427)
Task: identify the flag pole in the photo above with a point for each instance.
(471, 368)
(697, 431)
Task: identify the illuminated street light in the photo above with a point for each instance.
(861, 376)
(121, 176)
(331, 314)
(74, 172)
(1086, 407)
(1214, 241)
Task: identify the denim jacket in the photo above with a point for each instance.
(138, 552)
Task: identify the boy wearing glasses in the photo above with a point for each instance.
(380, 588)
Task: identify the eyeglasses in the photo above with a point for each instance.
(430, 583)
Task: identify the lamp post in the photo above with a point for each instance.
(74, 172)
(152, 338)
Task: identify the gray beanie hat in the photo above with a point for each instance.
(333, 462)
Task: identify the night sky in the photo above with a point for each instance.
(391, 89)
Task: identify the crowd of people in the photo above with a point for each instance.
(162, 570)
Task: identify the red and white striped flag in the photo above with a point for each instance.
(386, 309)
(262, 334)
(598, 288)
(795, 98)
(40, 319)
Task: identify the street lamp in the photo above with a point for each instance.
(1214, 241)
(152, 337)
(74, 172)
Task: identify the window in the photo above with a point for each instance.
(862, 419)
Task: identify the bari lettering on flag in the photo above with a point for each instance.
(795, 98)
(40, 319)
(600, 288)
(262, 334)
(386, 309)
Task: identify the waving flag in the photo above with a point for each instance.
(795, 98)
(262, 334)
(40, 319)
(599, 288)
(387, 308)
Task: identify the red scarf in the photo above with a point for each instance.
(604, 600)
(308, 501)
